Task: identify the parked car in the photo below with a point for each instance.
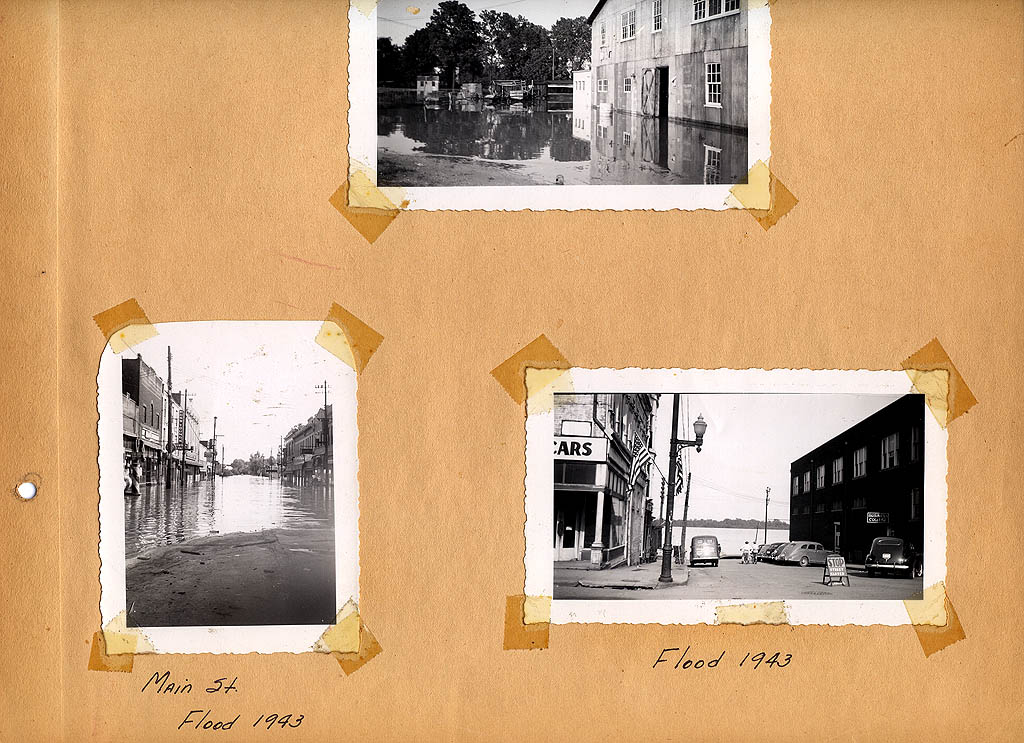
(705, 548)
(803, 554)
(776, 555)
(894, 555)
(765, 550)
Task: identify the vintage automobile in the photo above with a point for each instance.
(765, 551)
(893, 555)
(803, 554)
(705, 548)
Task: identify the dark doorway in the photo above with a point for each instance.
(662, 92)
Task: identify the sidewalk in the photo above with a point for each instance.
(632, 576)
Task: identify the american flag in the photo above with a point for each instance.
(642, 458)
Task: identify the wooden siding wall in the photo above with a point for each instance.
(682, 46)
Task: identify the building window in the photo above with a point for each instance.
(916, 504)
(657, 15)
(819, 508)
(860, 502)
(796, 485)
(604, 35)
(837, 471)
(627, 85)
(890, 451)
(915, 444)
(628, 24)
(837, 505)
(821, 476)
(626, 138)
(713, 84)
(703, 9)
(713, 164)
(807, 481)
(860, 462)
(806, 510)
(602, 86)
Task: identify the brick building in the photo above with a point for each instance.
(143, 402)
(866, 482)
(307, 454)
(597, 519)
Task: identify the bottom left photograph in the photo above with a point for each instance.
(228, 488)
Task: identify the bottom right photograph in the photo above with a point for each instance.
(700, 496)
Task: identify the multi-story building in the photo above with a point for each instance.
(308, 453)
(598, 519)
(673, 74)
(188, 451)
(866, 482)
(143, 401)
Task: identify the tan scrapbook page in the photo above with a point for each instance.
(530, 370)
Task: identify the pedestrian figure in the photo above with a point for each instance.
(745, 549)
(136, 476)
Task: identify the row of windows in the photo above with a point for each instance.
(890, 450)
(712, 84)
(861, 503)
(149, 417)
(702, 10)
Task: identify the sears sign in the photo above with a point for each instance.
(582, 448)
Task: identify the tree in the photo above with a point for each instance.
(389, 63)
(239, 467)
(455, 36)
(418, 57)
(571, 37)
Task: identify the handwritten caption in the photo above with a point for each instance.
(686, 660)
(206, 719)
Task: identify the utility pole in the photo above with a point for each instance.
(766, 492)
(666, 552)
(214, 450)
(184, 434)
(686, 515)
(170, 425)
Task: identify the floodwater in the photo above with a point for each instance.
(429, 146)
(241, 503)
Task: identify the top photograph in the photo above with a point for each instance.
(573, 104)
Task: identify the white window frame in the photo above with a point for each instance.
(657, 16)
(915, 444)
(796, 484)
(627, 84)
(712, 154)
(708, 103)
(807, 481)
(860, 462)
(837, 470)
(819, 476)
(602, 85)
(891, 451)
(702, 10)
(627, 20)
(627, 138)
(604, 34)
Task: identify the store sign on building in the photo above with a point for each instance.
(580, 448)
(878, 517)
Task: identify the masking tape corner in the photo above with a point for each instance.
(124, 325)
(521, 634)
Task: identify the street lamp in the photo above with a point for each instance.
(700, 427)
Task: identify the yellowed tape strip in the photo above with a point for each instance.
(958, 398)
(343, 635)
(518, 634)
(100, 660)
(364, 6)
(935, 637)
(348, 338)
(540, 356)
(369, 209)
(763, 196)
(369, 649)
(537, 610)
(124, 325)
(123, 640)
(768, 612)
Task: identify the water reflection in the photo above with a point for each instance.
(605, 149)
(161, 516)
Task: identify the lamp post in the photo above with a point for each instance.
(675, 446)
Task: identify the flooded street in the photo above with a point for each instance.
(471, 144)
(241, 503)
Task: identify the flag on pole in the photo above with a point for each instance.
(642, 458)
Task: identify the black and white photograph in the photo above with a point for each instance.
(534, 104)
(703, 496)
(233, 487)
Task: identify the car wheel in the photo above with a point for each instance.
(804, 562)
